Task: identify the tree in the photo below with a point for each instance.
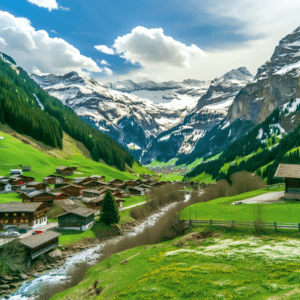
(109, 211)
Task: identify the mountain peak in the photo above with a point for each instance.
(241, 74)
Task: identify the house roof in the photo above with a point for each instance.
(80, 211)
(36, 193)
(36, 240)
(19, 207)
(71, 185)
(62, 168)
(93, 191)
(33, 183)
(287, 171)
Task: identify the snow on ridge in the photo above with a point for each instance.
(260, 134)
(133, 146)
(287, 68)
(39, 102)
(291, 107)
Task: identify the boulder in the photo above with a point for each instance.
(55, 255)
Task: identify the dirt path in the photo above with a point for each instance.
(272, 197)
(131, 206)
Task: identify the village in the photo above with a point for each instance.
(79, 199)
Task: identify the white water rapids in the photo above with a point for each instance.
(30, 289)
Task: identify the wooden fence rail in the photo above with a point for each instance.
(234, 223)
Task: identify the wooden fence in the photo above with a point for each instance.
(234, 223)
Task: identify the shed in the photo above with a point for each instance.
(80, 218)
(38, 196)
(16, 171)
(72, 190)
(136, 191)
(66, 171)
(291, 175)
(37, 185)
(38, 244)
(26, 168)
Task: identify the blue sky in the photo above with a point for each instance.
(224, 36)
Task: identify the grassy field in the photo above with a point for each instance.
(134, 200)
(203, 177)
(200, 265)
(6, 198)
(170, 177)
(18, 150)
(221, 209)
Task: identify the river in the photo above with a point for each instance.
(30, 289)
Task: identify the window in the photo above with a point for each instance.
(22, 214)
(15, 214)
(6, 214)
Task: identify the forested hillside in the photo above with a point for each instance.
(28, 109)
(262, 149)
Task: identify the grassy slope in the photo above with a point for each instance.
(230, 270)
(221, 209)
(134, 200)
(44, 162)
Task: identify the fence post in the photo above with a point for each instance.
(275, 226)
(190, 222)
(233, 223)
(298, 228)
(210, 223)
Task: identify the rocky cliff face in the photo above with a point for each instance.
(275, 83)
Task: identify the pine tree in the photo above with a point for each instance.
(109, 211)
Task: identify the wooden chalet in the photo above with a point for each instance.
(82, 180)
(38, 196)
(96, 202)
(92, 184)
(116, 181)
(59, 196)
(72, 190)
(291, 175)
(98, 177)
(136, 191)
(129, 183)
(37, 185)
(23, 215)
(55, 179)
(80, 218)
(61, 185)
(20, 179)
(65, 171)
(92, 193)
(38, 244)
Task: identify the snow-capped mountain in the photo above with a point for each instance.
(127, 118)
(210, 110)
(275, 83)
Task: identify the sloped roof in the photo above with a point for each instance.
(19, 207)
(80, 211)
(287, 171)
(36, 240)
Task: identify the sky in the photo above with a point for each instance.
(141, 40)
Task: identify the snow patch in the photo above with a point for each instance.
(39, 102)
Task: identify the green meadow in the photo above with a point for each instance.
(221, 209)
(43, 162)
(199, 265)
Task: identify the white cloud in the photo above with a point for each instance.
(105, 49)
(151, 48)
(107, 71)
(104, 62)
(35, 50)
(2, 42)
(49, 4)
